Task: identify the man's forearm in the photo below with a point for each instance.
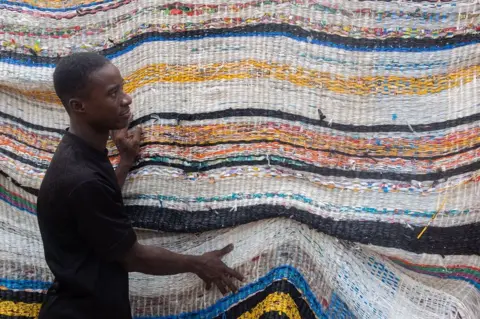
(159, 261)
(122, 171)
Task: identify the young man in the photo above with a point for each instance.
(89, 242)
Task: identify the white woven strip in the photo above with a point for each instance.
(284, 96)
(293, 53)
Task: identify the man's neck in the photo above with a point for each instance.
(97, 140)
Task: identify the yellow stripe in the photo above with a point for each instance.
(248, 69)
(276, 302)
(10, 308)
(55, 4)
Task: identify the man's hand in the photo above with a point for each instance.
(210, 268)
(128, 144)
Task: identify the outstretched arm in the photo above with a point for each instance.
(158, 261)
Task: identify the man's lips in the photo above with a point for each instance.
(123, 114)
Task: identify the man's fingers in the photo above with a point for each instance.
(224, 251)
(234, 273)
(230, 284)
(208, 285)
(137, 134)
(221, 286)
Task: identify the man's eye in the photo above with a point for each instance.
(113, 93)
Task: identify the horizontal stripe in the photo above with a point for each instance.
(238, 199)
(470, 274)
(247, 69)
(191, 9)
(24, 296)
(55, 5)
(436, 240)
(370, 112)
(120, 28)
(24, 284)
(10, 308)
(203, 166)
(266, 30)
(275, 114)
(317, 122)
(293, 142)
(307, 55)
(322, 202)
(20, 142)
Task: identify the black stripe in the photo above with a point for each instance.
(14, 317)
(23, 160)
(251, 112)
(204, 166)
(22, 296)
(456, 240)
(27, 189)
(277, 286)
(287, 29)
(436, 240)
(275, 315)
(362, 155)
(196, 166)
(31, 125)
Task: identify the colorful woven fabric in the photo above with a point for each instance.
(335, 143)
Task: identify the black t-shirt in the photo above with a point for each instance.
(85, 230)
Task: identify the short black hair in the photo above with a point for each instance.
(72, 74)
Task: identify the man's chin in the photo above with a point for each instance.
(122, 124)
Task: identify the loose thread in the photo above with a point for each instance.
(442, 205)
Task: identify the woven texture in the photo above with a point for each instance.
(321, 137)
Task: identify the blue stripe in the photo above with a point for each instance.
(64, 9)
(24, 284)
(11, 203)
(275, 34)
(279, 273)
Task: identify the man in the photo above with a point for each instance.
(89, 242)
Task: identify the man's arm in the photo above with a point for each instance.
(159, 261)
(122, 171)
(106, 228)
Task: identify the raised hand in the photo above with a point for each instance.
(211, 269)
(128, 143)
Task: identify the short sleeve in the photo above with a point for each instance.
(101, 219)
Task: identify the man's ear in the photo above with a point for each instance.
(76, 105)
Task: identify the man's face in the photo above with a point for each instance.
(107, 107)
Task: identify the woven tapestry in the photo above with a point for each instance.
(336, 143)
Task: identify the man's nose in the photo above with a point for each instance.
(127, 99)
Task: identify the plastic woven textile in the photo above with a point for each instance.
(320, 137)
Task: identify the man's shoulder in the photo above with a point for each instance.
(65, 174)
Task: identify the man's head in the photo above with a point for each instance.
(91, 89)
